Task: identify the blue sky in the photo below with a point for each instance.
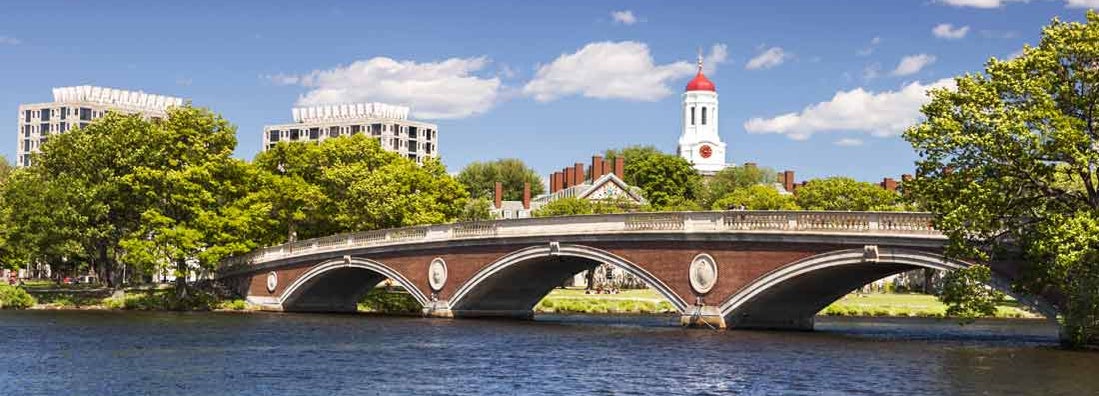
(822, 88)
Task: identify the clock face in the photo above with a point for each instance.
(705, 151)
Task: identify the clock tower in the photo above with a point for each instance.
(699, 143)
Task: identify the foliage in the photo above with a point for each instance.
(756, 197)
(967, 294)
(475, 210)
(665, 179)
(12, 297)
(734, 178)
(1008, 163)
(163, 300)
(382, 300)
(843, 193)
(352, 184)
(564, 207)
(479, 178)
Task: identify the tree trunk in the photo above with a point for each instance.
(181, 279)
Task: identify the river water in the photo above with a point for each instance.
(135, 353)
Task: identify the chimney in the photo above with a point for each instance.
(555, 182)
(596, 167)
(889, 184)
(788, 180)
(569, 182)
(498, 195)
(526, 195)
(608, 166)
(578, 168)
(620, 167)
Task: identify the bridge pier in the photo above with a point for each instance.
(703, 316)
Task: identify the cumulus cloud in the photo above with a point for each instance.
(848, 142)
(767, 59)
(1082, 4)
(879, 114)
(8, 40)
(912, 64)
(611, 70)
(443, 89)
(949, 32)
(624, 17)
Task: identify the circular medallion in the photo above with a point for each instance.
(705, 151)
(272, 281)
(703, 273)
(436, 274)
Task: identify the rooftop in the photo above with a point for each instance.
(116, 97)
(349, 111)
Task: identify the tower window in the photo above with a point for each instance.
(692, 115)
(703, 116)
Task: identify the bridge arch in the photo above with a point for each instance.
(790, 296)
(337, 285)
(513, 284)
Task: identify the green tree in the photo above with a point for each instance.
(733, 178)
(756, 197)
(1008, 163)
(565, 207)
(476, 209)
(967, 294)
(843, 193)
(479, 178)
(352, 184)
(665, 180)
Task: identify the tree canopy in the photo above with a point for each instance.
(664, 179)
(844, 193)
(756, 197)
(733, 178)
(1008, 163)
(479, 178)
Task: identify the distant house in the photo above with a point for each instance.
(601, 183)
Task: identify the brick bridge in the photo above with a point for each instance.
(741, 269)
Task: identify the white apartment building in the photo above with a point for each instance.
(388, 124)
(75, 107)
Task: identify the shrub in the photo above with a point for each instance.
(12, 297)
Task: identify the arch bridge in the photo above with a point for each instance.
(741, 269)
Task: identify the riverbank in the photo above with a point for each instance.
(396, 301)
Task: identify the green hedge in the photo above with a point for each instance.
(12, 297)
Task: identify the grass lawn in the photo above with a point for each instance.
(905, 304)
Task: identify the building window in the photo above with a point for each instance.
(26, 131)
(26, 145)
(314, 133)
(26, 116)
(355, 129)
(692, 115)
(703, 116)
(85, 114)
(294, 134)
(376, 129)
(273, 136)
(83, 125)
(43, 129)
(44, 114)
(333, 131)
(64, 127)
(64, 112)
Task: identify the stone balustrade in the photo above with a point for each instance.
(793, 222)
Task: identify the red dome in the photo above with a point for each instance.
(701, 83)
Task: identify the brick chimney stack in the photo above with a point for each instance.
(553, 182)
(526, 195)
(620, 167)
(578, 168)
(889, 184)
(569, 182)
(788, 180)
(498, 195)
(558, 182)
(596, 167)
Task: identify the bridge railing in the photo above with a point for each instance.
(883, 223)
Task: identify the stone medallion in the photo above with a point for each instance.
(436, 274)
(703, 273)
(272, 281)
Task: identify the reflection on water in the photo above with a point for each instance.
(213, 353)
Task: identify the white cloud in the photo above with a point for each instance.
(719, 53)
(912, 64)
(1082, 4)
(870, 49)
(624, 17)
(772, 57)
(848, 142)
(8, 40)
(443, 89)
(976, 3)
(880, 114)
(871, 71)
(949, 32)
(612, 70)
